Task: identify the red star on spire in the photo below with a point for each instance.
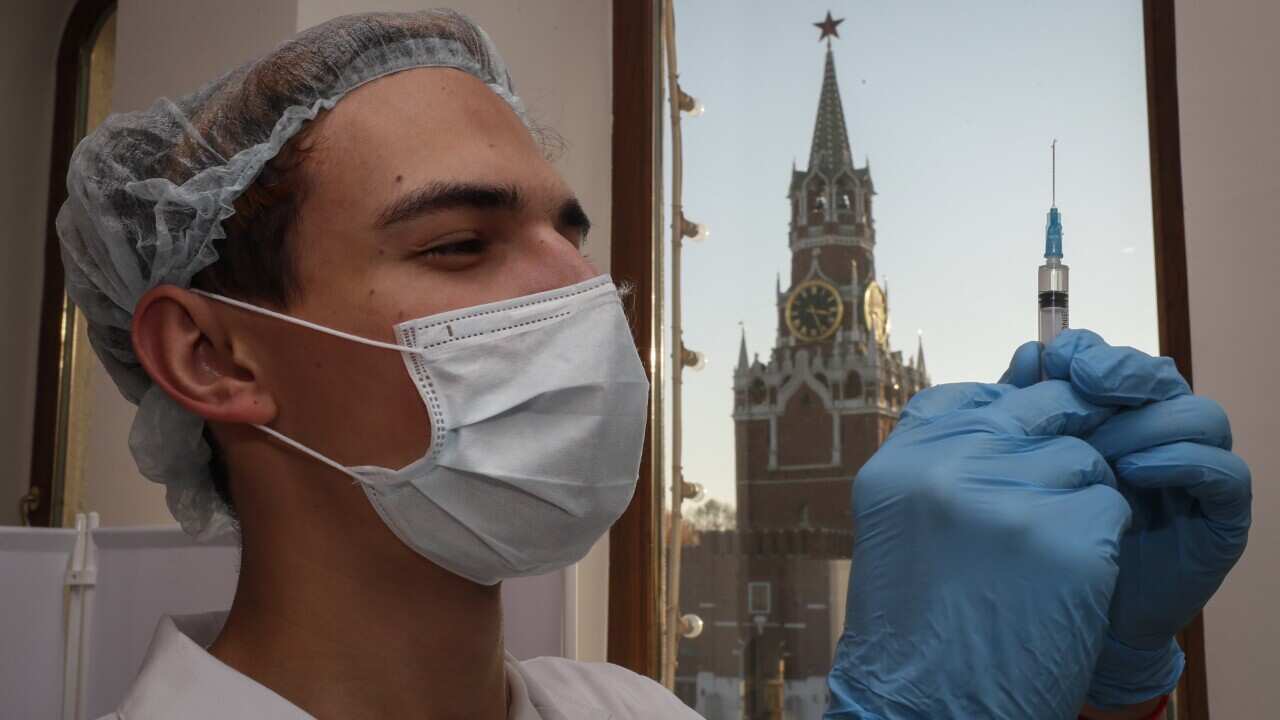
(828, 27)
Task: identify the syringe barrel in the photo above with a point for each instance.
(1052, 312)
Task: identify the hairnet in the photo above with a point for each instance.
(148, 192)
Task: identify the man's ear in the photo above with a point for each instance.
(187, 350)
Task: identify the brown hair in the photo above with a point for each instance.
(256, 259)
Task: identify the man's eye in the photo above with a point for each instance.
(577, 236)
(469, 246)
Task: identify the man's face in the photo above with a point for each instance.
(425, 193)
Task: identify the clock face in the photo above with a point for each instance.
(814, 310)
(876, 313)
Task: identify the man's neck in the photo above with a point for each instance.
(339, 617)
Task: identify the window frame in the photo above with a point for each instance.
(752, 587)
(636, 259)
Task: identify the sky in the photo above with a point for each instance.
(954, 104)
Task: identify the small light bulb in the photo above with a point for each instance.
(693, 492)
(693, 359)
(690, 626)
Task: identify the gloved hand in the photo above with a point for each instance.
(1190, 498)
(987, 541)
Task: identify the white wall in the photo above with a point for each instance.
(29, 37)
(1229, 102)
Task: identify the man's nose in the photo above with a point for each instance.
(548, 260)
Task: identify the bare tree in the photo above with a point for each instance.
(713, 515)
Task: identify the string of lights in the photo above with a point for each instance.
(673, 624)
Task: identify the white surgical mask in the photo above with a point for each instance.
(537, 408)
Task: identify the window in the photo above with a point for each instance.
(853, 385)
(784, 467)
(758, 597)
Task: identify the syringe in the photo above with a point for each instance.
(1053, 275)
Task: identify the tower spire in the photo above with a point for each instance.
(920, 355)
(742, 349)
(830, 151)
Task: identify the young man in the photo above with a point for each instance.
(390, 289)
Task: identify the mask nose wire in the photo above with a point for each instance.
(305, 323)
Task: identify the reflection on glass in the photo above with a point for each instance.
(959, 106)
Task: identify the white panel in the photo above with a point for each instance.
(144, 573)
(33, 565)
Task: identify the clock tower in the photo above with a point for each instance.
(772, 589)
(831, 389)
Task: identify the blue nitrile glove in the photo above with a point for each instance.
(1190, 498)
(987, 540)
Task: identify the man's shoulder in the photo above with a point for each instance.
(615, 689)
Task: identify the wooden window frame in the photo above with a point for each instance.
(1172, 299)
(633, 547)
(633, 637)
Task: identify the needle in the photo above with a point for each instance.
(1053, 181)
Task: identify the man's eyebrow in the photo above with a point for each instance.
(441, 196)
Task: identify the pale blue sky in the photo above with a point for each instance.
(955, 103)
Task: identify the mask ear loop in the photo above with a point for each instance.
(318, 328)
(306, 324)
(308, 451)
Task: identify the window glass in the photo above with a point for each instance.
(833, 288)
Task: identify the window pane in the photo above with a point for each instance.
(811, 351)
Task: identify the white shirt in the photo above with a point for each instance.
(180, 679)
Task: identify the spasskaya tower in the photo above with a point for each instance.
(828, 395)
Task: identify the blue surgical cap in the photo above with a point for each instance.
(148, 192)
